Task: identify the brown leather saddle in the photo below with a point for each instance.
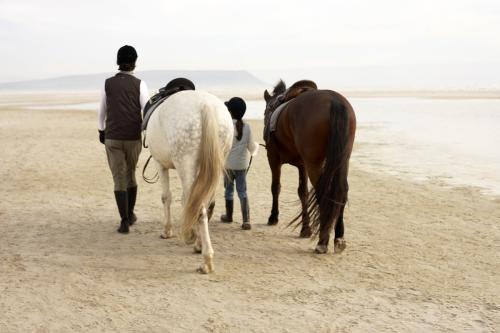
(296, 89)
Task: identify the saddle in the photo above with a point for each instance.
(171, 88)
(282, 101)
(296, 89)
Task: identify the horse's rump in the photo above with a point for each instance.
(296, 89)
(323, 125)
(330, 192)
(211, 161)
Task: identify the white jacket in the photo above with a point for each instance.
(238, 158)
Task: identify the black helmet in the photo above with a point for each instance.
(180, 83)
(237, 107)
(126, 55)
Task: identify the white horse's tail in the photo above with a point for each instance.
(211, 165)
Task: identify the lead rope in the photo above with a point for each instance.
(153, 179)
(249, 164)
(251, 158)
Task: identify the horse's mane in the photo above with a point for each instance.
(279, 88)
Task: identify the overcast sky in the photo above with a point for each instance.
(47, 38)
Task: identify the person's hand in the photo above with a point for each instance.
(101, 136)
(255, 150)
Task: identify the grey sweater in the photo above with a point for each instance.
(238, 158)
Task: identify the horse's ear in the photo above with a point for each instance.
(267, 97)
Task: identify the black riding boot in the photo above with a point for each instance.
(245, 211)
(122, 203)
(132, 195)
(228, 217)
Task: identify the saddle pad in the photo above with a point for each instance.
(275, 115)
(149, 109)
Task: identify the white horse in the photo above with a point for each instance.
(191, 132)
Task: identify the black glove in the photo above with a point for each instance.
(101, 136)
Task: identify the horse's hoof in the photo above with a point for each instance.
(202, 269)
(123, 228)
(321, 249)
(305, 233)
(272, 221)
(205, 269)
(339, 245)
(196, 249)
(167, 235)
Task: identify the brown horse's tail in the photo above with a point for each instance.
(211, 165)
(330, 192)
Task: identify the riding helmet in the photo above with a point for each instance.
(126, 55)
(237, 107)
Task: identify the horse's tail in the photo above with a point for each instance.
(330, 191)
(211, 161)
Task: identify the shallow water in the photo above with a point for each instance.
(79, 106)
(453, 141)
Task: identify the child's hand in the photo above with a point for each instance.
(255, 150)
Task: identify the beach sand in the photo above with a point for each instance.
(420, 257)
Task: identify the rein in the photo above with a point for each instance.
(153, 179)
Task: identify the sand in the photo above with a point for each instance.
(421, 257)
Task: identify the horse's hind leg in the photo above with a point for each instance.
(324, 235)
(186, 172)
(314, 173)
(198, 243)
(166, 198)
(339, 243)
(324, 239)
(305, 232)
(275, 189)
(206, 244)
(211, 207)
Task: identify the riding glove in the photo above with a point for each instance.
(101, 136)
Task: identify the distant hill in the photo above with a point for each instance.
(205, 79)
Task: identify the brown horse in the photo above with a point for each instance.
(315, 132)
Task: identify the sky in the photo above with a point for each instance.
(49, 38)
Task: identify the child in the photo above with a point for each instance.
(237, 163)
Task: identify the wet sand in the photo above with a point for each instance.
(420, 256)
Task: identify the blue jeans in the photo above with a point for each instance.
(240, 176)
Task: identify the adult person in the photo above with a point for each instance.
(123, 99)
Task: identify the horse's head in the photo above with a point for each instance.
(272, 101)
